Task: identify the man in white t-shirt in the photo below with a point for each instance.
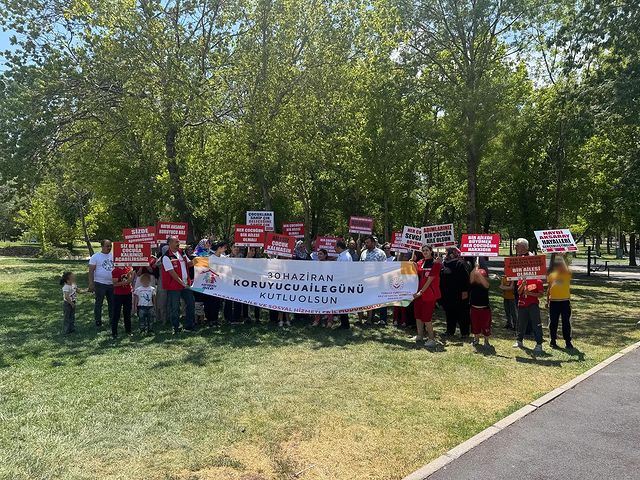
(343, 256)
(372, 253)
(100, 281)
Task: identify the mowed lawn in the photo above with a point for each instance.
(258, 402)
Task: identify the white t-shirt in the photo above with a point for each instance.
(167, 265)
(69, 290)
(104, 265)
(391, 259)
(145, 295)
(344, 256)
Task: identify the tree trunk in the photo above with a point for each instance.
(598, 244)
(85, 232)
(632, 250)
(608, 242)
(487, 220)
(179, 198)
(473, 161)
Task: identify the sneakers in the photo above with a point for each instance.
(475, 342)
(431, 343)
(287, 323)
(518, 344)
(537, 348)
(486, 342)
(281, 324)
(553, 344)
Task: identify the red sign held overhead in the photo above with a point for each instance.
(328, 243)
(480, 245)
(526, 266)
(281, 245)
(396, 242)
(134, 254)
(165, 230)
(249, 236)
(363, 225)
(293, 229)
(139, 234)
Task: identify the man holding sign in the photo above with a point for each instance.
(528, 271)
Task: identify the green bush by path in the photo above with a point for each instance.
(257, 402)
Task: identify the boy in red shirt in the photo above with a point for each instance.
(529, 293)
(122, 290)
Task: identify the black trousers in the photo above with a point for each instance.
(457, 314)
(124, 303)
(232, 311)
(245, 312)
(560, 310)
(344, 320)
(211, 308)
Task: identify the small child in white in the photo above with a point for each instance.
(69, 295)
(144, 300)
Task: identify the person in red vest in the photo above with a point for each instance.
(176, 281)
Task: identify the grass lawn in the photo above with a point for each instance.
(256, 402)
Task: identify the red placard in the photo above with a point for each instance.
(249, 236)
(135, 254)
(480, 245)
(526, 266)
(139, 234)
(281, 245)
(293, 229)
(328, 243)
(396, 242)
(165, 230)
(362, 225)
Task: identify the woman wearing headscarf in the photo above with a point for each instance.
(454, 287)
(300, 251)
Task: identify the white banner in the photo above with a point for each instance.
(560, 240)
(265, 219)
(306, 287)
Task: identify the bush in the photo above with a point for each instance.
(55, 253)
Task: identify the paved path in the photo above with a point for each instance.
(590, 432)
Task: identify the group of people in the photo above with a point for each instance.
(161, 293)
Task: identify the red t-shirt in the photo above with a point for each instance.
(432, 293)
(532, 286)
(118, 273)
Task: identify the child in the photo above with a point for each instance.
(122, 290)
(509, 301)
(559, 302)
(144, 300)
(480, 310)
(69, 293)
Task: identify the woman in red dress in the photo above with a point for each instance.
(427, 295)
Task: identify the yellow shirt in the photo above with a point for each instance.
(559, 285)
(507, 294)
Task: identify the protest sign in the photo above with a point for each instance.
(293, 229)
(526, 266)
(412, 238)
(480, 245)
(306, 287)
(396, 242)
(135, 254)
(249, 236)
(165, 230)
(281, 245)
(553, 241)
(139, 234)
(361, 225)
(328, 243)
(438, 235)
(266, 219)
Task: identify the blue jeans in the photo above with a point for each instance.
(102, 291)
(173, 307)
